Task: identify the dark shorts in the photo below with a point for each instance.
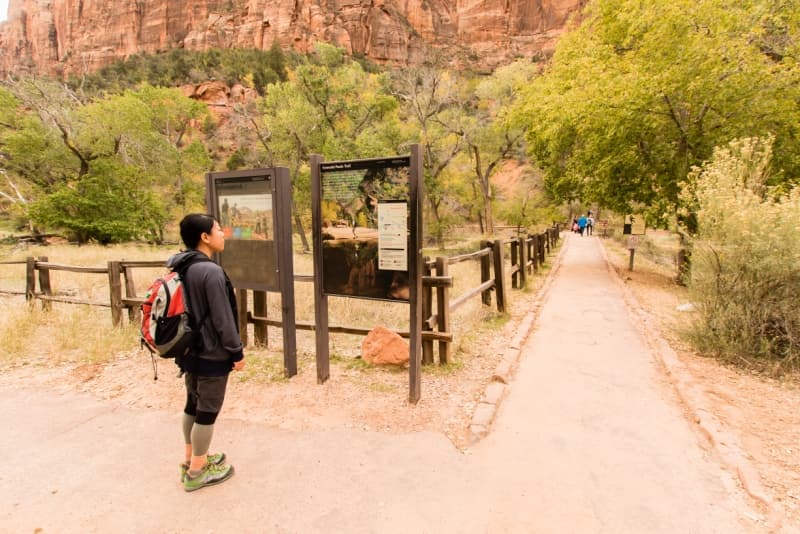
(205, 393)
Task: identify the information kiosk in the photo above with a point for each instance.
(254, 209)
(367, 226)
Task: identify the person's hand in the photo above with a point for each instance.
(238, 366)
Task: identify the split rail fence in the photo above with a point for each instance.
(527, 255)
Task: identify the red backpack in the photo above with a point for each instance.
(168, 328)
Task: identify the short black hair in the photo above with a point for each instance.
(195, 225)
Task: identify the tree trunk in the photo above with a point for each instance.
(439, 233)
(487, 206)
(299, 224)
(683, 260)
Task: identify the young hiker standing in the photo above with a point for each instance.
(212, 302)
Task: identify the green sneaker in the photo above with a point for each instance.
(210, 475)
(216, 458)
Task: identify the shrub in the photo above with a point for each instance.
(180, 66)
(745, 277)
(109, 207)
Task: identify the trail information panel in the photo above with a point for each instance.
(245, 210)
(633, 224)
(364, 227)
(393, 235)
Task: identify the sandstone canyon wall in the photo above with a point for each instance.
(62, 37)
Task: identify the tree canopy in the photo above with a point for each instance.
(69, 150)
(641, 92)
(99, 168)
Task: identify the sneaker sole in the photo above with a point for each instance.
(214, 483)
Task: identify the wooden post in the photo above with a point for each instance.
(30, 279)
(443, 310)
(282, 218)
(515, 261)
(134, 312)
(44, 284)
(427, 312)
(320, 298)
(260, 310)
(523, 263)
(416, 193)
(241, 301)
(534, 252)
(499, 275)
(542, 257)
(630, 261)
(115, 289)
(546, 235)
(486, 296)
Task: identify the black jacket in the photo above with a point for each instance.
(212, 304)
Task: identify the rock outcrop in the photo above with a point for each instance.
(64, 37)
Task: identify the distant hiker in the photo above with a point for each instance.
(589, 223)
(575, 226)
(218, 352)
(581, 224)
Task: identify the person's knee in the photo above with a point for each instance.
(206, 418)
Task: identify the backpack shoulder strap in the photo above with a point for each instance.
(196, 258)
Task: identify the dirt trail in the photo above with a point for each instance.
(590, 437)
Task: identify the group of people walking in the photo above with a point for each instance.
(584, 224)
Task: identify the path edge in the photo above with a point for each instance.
(725, 443)
(487, 408)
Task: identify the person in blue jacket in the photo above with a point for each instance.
(582, 224)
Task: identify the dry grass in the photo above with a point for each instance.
(67, 332)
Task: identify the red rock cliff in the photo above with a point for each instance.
(71, 36)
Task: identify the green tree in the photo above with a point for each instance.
(109, 205)
(82, 154)
(179, 159)
(32, 158)
(289, 132)
(329, 105)
(252, 67)
(641, 92)
(434, 106)
(276, 60)
(348, 101)
(493, 134)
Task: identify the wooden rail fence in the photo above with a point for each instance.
(119, 274)
(527, 254)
